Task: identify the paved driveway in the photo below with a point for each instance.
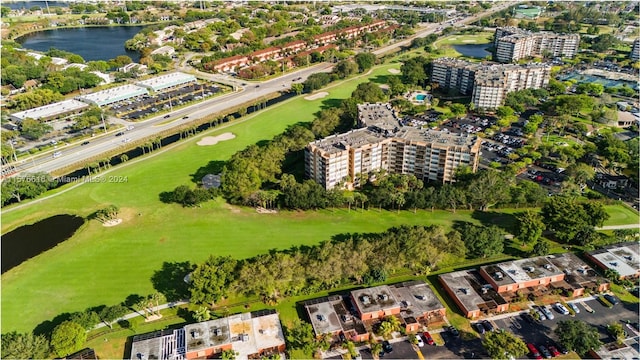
(543, 332)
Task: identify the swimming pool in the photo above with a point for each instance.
(421, 97)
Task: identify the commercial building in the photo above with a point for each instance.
(488, 84)
(251, 335)
(635, 50)
(113, 95)
(513, 44)
(413, 302)
(53, 111)
(171, 80)
(491, 288)
(384, 144)
(624, 258)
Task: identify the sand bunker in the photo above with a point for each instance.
(468, 41)
(317, 96)
(394, 71)
(212, 140)
(113, 222)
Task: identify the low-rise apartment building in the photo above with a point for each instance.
(413, 302)
(491, 288)
(513, 44)
(624, 258)
(251, 335)
(339, 160)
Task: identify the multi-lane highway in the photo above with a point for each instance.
(247, 93)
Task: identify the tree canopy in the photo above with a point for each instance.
(67, 338)
(578, 336)
(502, 344)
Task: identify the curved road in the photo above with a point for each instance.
(74, 153)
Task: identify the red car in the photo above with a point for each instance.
(427, 338)
(554, 351)
(534, 351)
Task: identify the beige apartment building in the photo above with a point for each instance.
(513, 44)
(340, 160)
(488, 84)
(635, 50)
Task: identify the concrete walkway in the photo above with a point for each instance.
(616, 227)
(136, 314)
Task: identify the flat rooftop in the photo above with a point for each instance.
(352, 139)
(471, 290)
(323, 315)
(576, 271)
(164, 344)
(374, 299)
(380, 115)
(622, 257)
(110, 96)
(51, 110)
(437, 138)
(417, 297)
(167, 80)
(519, 271)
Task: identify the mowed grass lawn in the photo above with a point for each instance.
(621, 215)
(102, 265)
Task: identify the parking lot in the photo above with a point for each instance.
(541, 333)
(145, 105)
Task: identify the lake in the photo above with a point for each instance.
(92, 43)
(28, 241)
(17, 5)
(473, 50)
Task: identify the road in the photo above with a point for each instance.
(75, 153)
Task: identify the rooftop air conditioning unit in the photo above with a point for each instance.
(366, 300)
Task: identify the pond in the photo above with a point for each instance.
(92, 43)
(18, 5)
(473, 50)
(28, 241)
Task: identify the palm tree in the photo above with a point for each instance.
(157, 142)
(376, 348)
(124, 158)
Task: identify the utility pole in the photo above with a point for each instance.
(104, 126)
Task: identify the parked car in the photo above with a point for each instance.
(547, 312)
(612, 299)
(386, 346)
(420, 341)
(554, 351)
(574, 307)
(561, 308)
(479, 327)
(427, 338)
(540, 315)
(454, 331)
(487, 325)
(544, 352)
(534, 351)
(528, 318)
(563, 350)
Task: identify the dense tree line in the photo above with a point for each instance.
(359, 258)
(259, 167)
(29, 186)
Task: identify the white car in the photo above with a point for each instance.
(574, 308)
(420, 341)
(561, 308)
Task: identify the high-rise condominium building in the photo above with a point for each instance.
(488, 84)
(513, 44)
(344, 159)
